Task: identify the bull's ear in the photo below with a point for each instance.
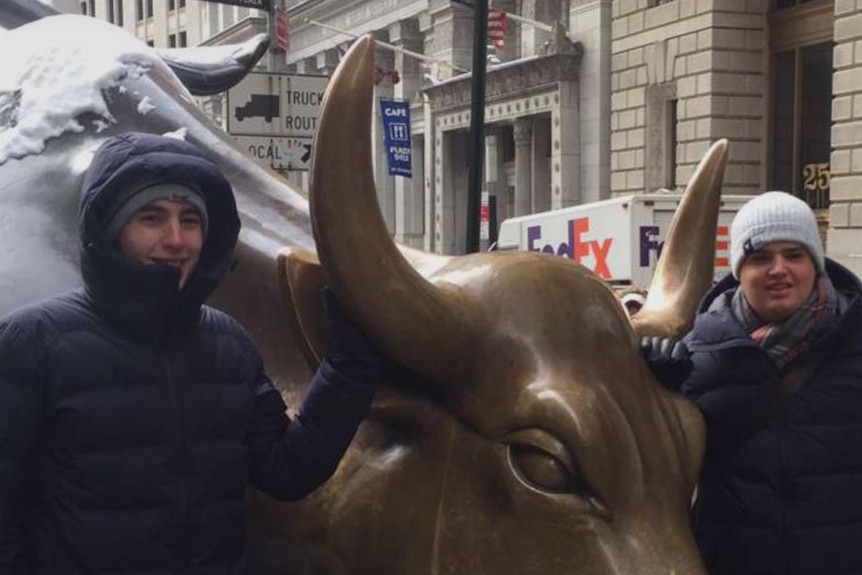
(301, 282)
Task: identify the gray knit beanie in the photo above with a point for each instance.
(774, 217)
(129, 203)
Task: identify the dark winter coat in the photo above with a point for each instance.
(131, 416)
(781, 490)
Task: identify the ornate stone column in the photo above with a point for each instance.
(845, 194)
(452, 40)
(566, 148)
(409, 196)
(327, 61)
(493, 170)
(385, 183)
(541, 165)
(523, 135)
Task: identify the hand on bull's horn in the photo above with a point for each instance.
(668, 359)
(353, 353)
(350, 350)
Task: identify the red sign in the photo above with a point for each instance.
(485, 216)
(281, 39)
(497, 27)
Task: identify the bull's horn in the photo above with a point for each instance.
(685, 268)
(423, 326)
(208, 70)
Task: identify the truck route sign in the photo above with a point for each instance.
(277, 112)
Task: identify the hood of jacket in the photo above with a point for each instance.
(143, 299)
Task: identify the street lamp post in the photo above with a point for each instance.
(477, 123)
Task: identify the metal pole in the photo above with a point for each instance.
(531, 22)
(382, 44)
(477, 124)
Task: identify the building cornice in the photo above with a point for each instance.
(357, 17)
(513, 79)
(239, 32)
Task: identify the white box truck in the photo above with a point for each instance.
(620, 239)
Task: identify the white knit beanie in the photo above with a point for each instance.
(774, 217)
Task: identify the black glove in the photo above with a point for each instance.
(668, 359)
(354, 355)
(350, 351)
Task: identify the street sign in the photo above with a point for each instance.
(278, 107)
(288, 153)
(275, 104)
(485, 216)
(395, 115)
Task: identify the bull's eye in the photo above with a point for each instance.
(540, 469)
(542, 462)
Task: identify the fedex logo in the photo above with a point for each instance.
(650, 244)
(577, 248)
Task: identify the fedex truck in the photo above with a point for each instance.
(620, 239)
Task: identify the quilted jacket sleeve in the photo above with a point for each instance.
(20, 422)
(292, 457)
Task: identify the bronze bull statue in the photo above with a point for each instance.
(538, 441)
(532, 440)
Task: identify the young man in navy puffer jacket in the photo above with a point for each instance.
(131, 415)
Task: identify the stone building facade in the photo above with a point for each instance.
(163, 23)
(781, 79)
(547, 112)
(604, 97)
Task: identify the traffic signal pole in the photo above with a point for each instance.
(477, 124)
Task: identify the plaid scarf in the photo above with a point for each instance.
(786, 340)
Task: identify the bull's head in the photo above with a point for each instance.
(541, 442)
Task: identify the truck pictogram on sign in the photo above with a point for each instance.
(260, 106)
(274, 116)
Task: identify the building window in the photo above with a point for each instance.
(662, 138)
(172, 40)
(119, 12)
(802, 122)
(151, 43)
(88, 7)
(149, 8)
(672, 141)
(653, 3)
(781, 4)
(182, 3)
(109, 4)
(172, 5)
(139, 10)
(184, 40)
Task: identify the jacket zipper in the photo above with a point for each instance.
(181, 444)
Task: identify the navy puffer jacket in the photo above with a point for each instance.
(131, 416)
(781, 494)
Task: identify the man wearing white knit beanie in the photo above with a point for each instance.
(774, 362)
